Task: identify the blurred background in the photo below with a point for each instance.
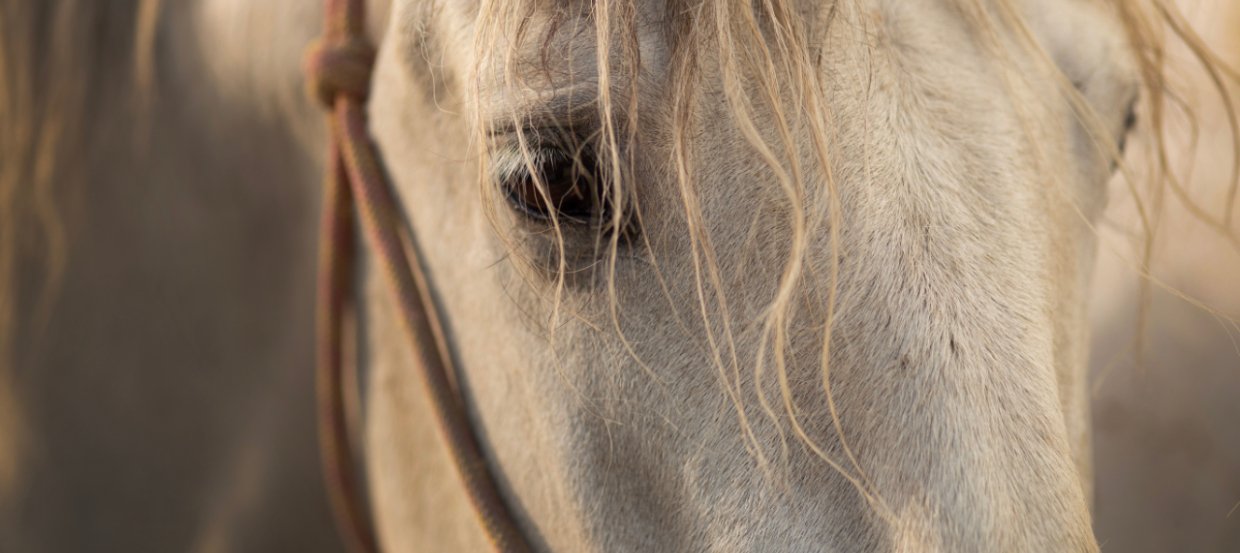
(166, 399)
(1167, 402)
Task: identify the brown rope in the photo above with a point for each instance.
(339, 67)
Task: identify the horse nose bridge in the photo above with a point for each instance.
(991, 506)
(925, 531)
(944, 368)
(963, 466)
(974, 457)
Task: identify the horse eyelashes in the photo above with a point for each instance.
(554, 182)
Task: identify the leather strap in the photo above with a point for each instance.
(339, 67)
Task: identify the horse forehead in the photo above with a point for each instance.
(1066, 23)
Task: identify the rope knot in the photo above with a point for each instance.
(339, 67)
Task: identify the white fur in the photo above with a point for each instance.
(959, 347)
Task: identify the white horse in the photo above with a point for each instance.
(719, 276)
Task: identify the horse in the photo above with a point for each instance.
(717, 276)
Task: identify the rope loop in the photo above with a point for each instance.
(339, 67)
(338, 70)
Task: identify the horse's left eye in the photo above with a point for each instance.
(556, 183)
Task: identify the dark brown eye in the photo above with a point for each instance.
(558, 183)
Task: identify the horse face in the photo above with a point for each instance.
(648, 291)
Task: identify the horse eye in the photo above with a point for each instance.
(557, 183)
(1130, 123)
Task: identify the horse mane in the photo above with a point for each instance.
(61, 62)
